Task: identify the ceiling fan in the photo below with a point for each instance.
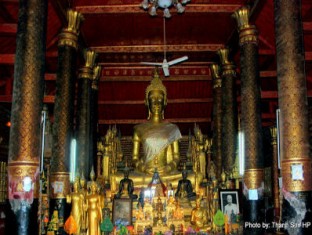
(165, 64)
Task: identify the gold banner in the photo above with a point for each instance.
(22, 180)
(59, 185)
(291, 181)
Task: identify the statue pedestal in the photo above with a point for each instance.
(160, 228)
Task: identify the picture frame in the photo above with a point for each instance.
(122, 211)
(229, 202)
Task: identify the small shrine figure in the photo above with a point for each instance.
(53, 224)
(159, 209)
(170, 207)
(126, 186)
(139, 214)
(185, 189)
(199, 217)
(141, 198)
(157, 185)
(178, 213)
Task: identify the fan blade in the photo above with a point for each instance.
(166, 71)
(151, 63)
(165, 67)
(172, 62)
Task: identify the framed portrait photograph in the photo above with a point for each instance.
(229, 202)
(122, 211)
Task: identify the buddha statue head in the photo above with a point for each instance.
(76, 184)
(156, 97)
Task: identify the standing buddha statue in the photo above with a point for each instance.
(94, 206)
(76, 199)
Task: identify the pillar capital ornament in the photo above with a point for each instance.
(96, 76)
(87, 70)
(228, 67)
(247, 33)
(215, 72)
(90, 57)
(69, 35)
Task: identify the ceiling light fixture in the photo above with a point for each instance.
(165, 5)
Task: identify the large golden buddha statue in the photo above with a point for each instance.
(158, 139)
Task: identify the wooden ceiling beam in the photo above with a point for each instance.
(136, 121)
(172, 78)
(172, 120)
(9, 58)
(135, 8)
(8, 28)
(308, 56)
(105, 78)
(50, 99)
(267, 74)
(307, 26)
(140, 102)
(158, 48)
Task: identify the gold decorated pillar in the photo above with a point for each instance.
(27, 103)
(293, 105)
(275, 174)
(253, 179)
(217, 119)
(229, 112)
(83, 114)
(94, 114)
(63, 116)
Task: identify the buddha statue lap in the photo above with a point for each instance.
(159, 140)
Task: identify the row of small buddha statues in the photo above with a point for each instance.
(87, 203)
(162, 206)
(155, 146)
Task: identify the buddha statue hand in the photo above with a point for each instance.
(139, 165)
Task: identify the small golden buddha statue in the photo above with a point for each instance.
(157, 138)
(94, 205)
(178, 212)
(76, 199)
(199, 217)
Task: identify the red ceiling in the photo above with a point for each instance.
(123, 35)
